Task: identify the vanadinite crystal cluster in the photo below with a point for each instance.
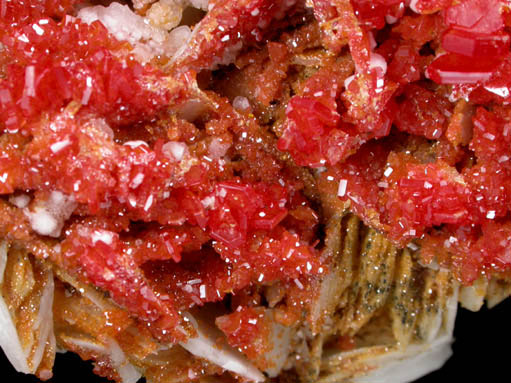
(440, 175)
(181, 156)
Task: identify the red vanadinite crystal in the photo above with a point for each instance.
(468, 251)
(278, 255)
(475, 45)
(494, 245)
(55, 157)
(373, 13)
(358, 178)
(247, 329)
(491, 191)
(308, 120)
(455, 248)
(202, 277)
(239, 208)
(476, 31)
(50, 65)
(495, 90)
(313, 133)
(98, 255)
(10, 158)
(405, 66)
(452, 68)
(66, 84)
(422, 196)
(340, 25)
(419, 29)
(226, 27)
(429, 6)
(491, 137)
(475, 16)
(423, 113)
(16, 12)
(370, 104)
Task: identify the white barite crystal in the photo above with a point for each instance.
(201, 4)
(167, 14)
(48, 217)
(343, 184)
(20, 201)
(413, 6)
(148, 41)
(26, 360)
(127, 372)
(9, 340)
(378, 62)
(112, 351)
(205, 345)
(281, 339)
(410, 364)
(218, 148)
(241, 103)
(472, 297)
(175, 150)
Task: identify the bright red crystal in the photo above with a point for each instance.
(476, 45)
(357, 180)
(100, 257)
(469, 252)
(340, 25)
(199, 278)
(455, 248)
(240, 208)
(423, 113)
(491, 191)
(246, 329)
(475, 16)
(313, 132)
(452, 68)
(419, 29)
(421, 196)
(373, 13)
(494, 245)
(21, 11)
(405, 66)
(491, 137)
(83, 117)
(476, 32)
(279, 255)
(309, 121)
(49, 66)
(55, 157)
(202, 277)
(10, 157)
(370, 105)
(429, 6)
(311, 143)
(224, 30)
